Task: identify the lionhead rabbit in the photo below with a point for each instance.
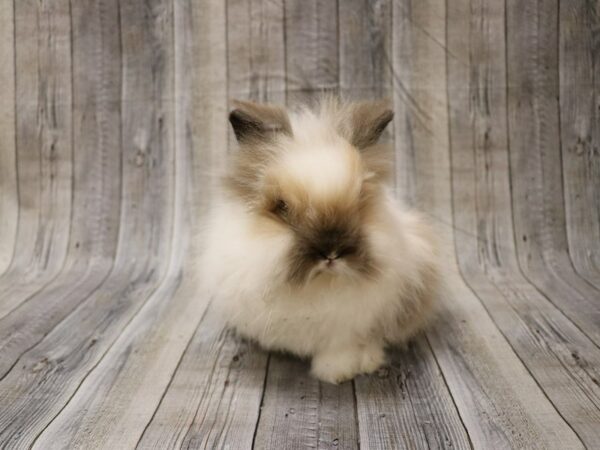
(306, 250)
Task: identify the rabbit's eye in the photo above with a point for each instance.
(281, 207)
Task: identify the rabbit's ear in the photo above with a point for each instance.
(367, 120)
(257, 122)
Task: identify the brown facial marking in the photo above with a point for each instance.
(330, 236)
(325, 229)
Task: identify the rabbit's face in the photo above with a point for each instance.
(311, 181)
(320, 192)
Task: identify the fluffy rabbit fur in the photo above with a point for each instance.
(306, 249)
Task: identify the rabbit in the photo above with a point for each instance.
(306, 249)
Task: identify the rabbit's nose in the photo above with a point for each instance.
(332, 257)
(328, 254)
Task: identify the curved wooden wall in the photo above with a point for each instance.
(112, 122)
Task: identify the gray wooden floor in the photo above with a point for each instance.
(112, 119)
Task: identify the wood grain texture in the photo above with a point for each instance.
(417, 64)
(214, 398)
(408, 405)
(256, 50)
(300, 412)
(44, 148)
(96, 196)
(53, 369)
(206, 121)
(114, 391)
(579, 105)
(365, 44)
(498, 401)
(9, 209)
(111, 144)
(311, 48)
(130, 395)
(537, 331)
(535, 162)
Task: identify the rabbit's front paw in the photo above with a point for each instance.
(371, 359)
(337, 366)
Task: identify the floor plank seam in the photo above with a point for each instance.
(262, 399)
(443, 376)
(95, 365)
(172, 376)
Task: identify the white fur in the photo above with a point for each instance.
(342, 321)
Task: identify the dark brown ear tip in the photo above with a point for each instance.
(385, 119)
(258, 121)
(239, 116)
(243, 124)
(236, 117)
(235, 114)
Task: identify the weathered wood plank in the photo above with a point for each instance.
(538, 332)
(365, 48)
(256, 51)
(298, 411)
(44, 150)
(205, 405)
(97, 135)
(93, 339)
(118, 398)
(53, 370)
(9, 209)
(499, 403)
(207, 119)
(408, 405)
(535, 164)
(96, 191)
(129, 383)
(579, 63)
(311, 49)
(416, 57)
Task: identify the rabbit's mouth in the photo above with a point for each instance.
(338, 267)
(310, 265)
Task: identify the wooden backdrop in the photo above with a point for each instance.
(113, 115)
